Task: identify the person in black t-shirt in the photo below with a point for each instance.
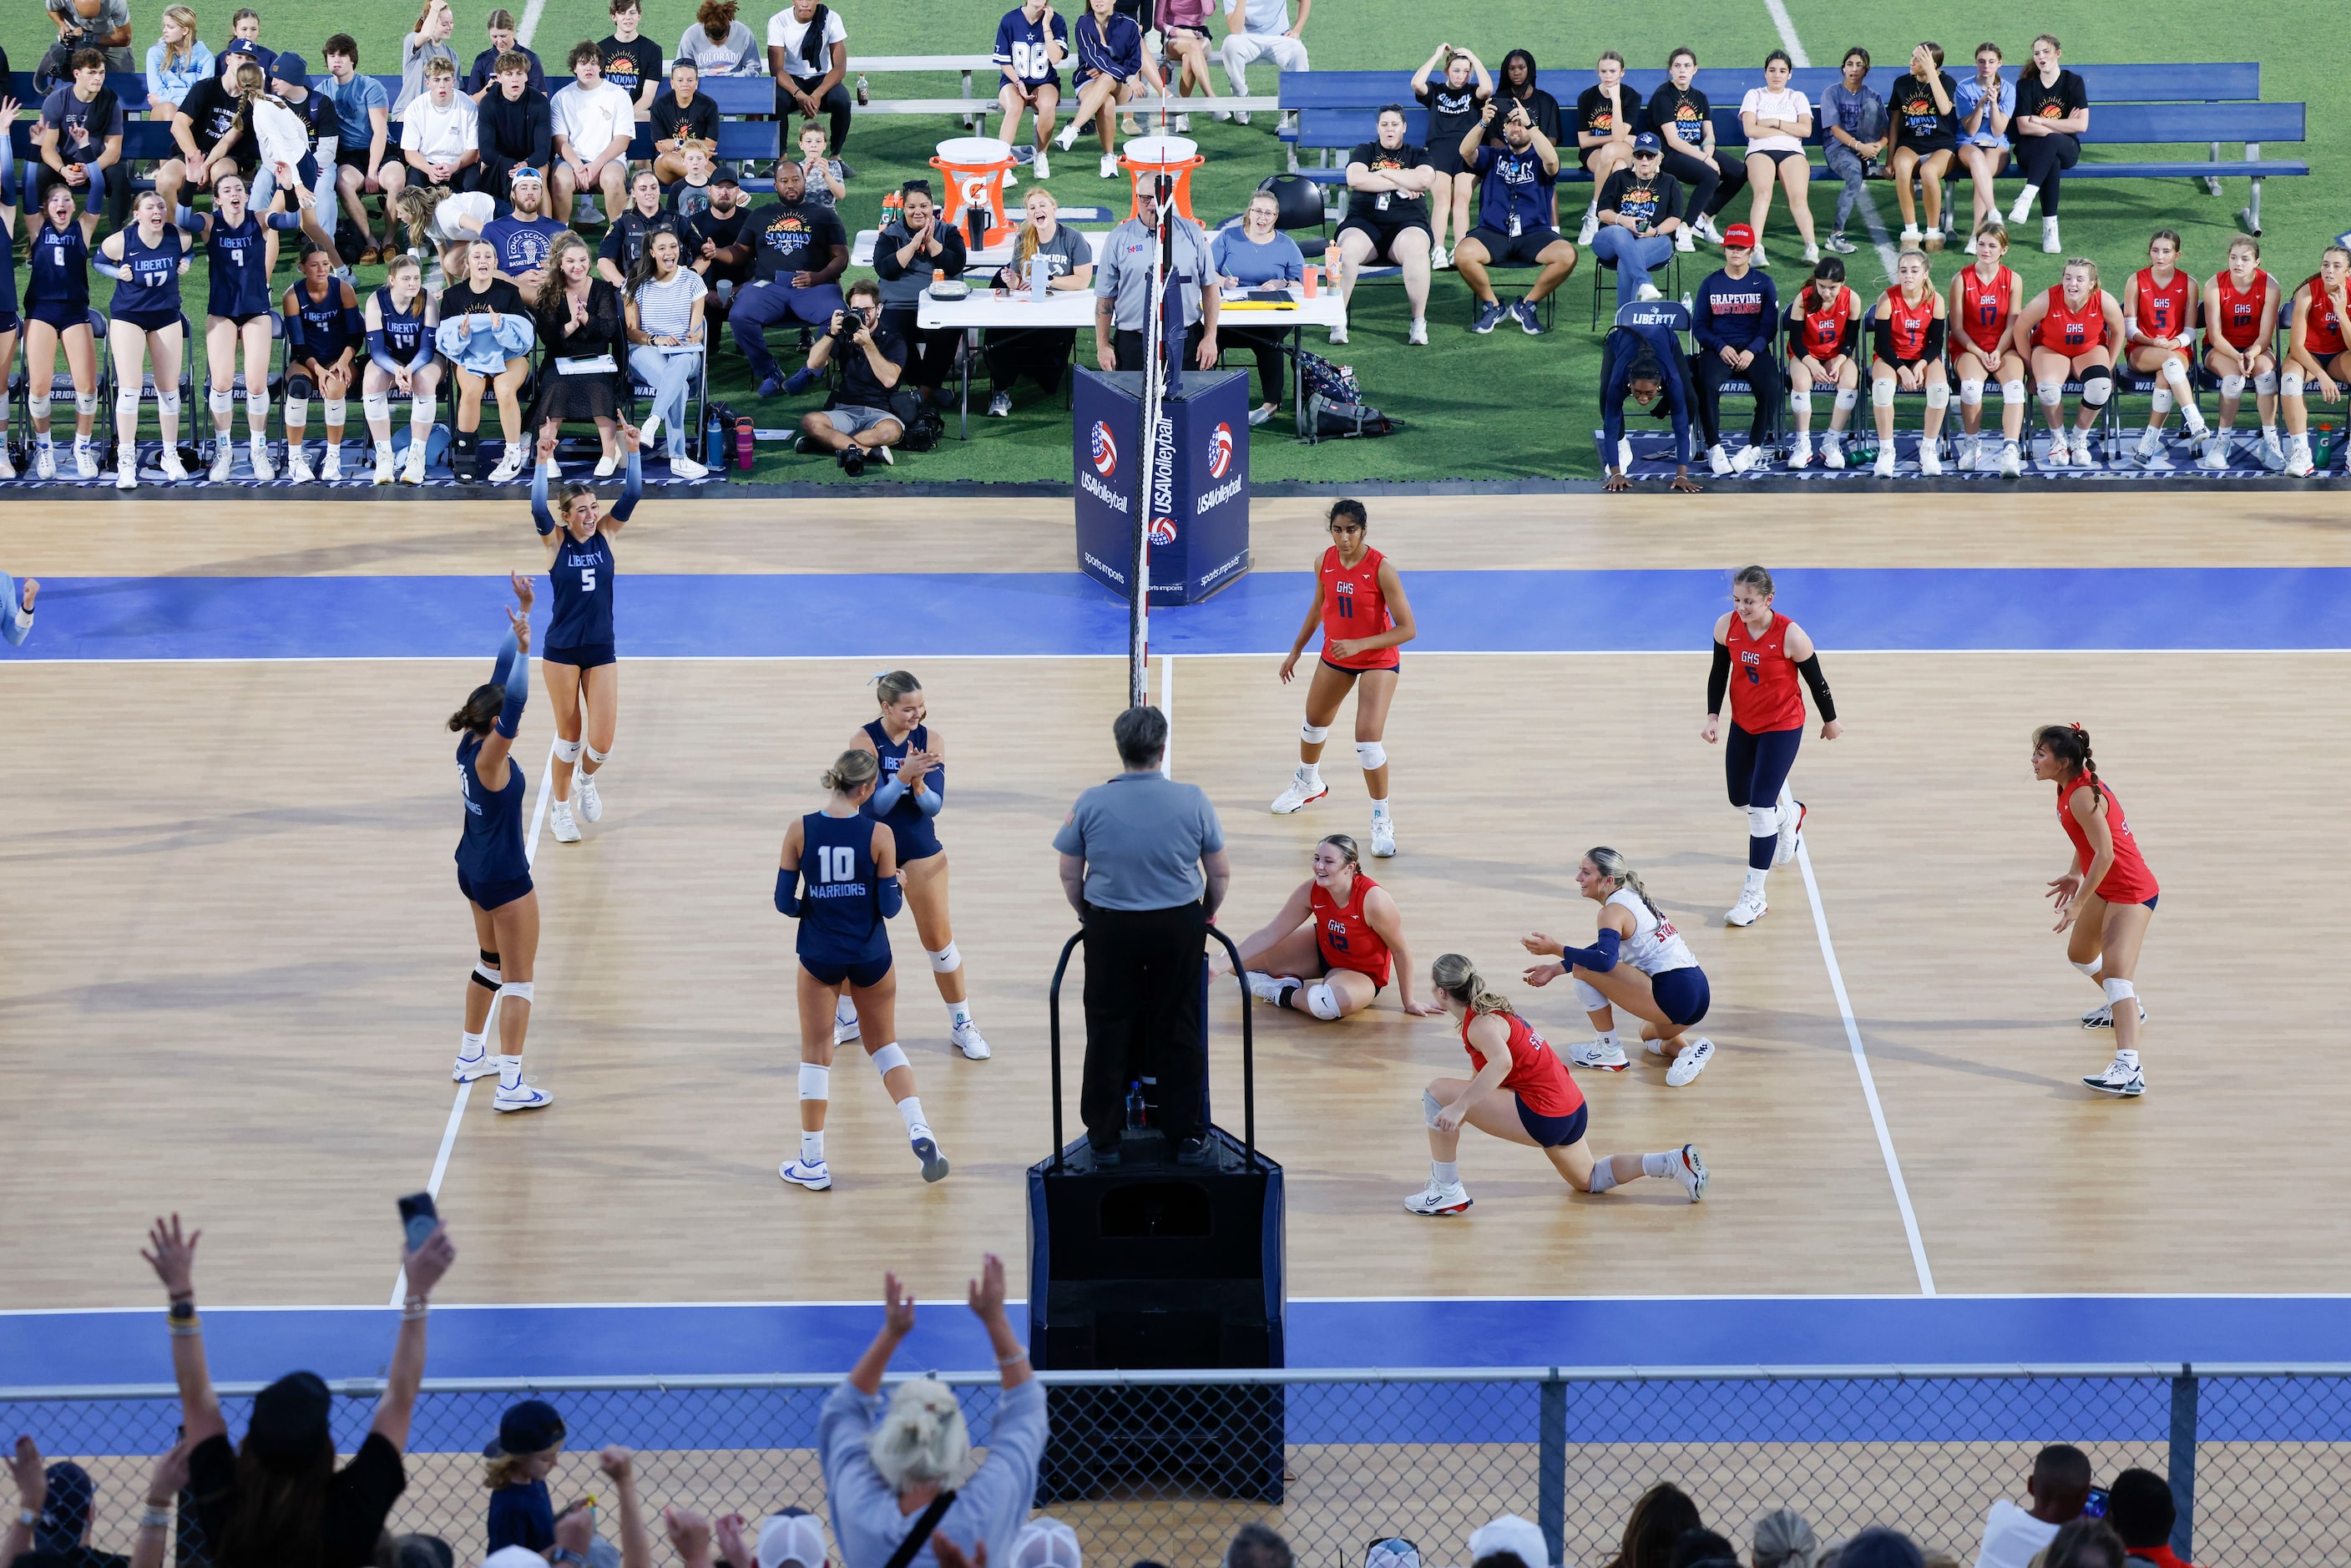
(1924, 127)
(1459, 88)
(799, 250)
(715, 246)
(277, 1497)
(1640, 211)
(1682, 120)
(1387, 217)
(209, 127)
(633, 227)
(60, 1500)
(631, 61)
(859, 424)
(683, 113)
(483, 74)
(2053, 112)
(1607, 118)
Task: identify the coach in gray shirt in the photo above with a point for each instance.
(1142, 862)
(1123, 288)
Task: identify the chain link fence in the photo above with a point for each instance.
(1164, 1467)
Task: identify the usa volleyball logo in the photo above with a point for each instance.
(1162, 531)
(1106, 447)
(1221, 452)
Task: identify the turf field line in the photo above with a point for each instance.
(1861, 1061)
(537, 8)
(490, 1022)
(1796, 53)
(1167, 711)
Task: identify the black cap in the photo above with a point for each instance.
(64, 1512)
(529, 1427)
(290, 1419)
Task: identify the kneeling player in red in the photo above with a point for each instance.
(1522, 1095)
(1335, 944)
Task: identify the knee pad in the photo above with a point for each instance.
(298, 411)
(594, 755)
(300, 386)
(222, 400)
(2012, 393)
(1849, 399)
(516, 991)
(37, 403)
(1806, 398)
(485, 976)
(2290, 383)
(2176, 373)
(1762, 821)
(2159, 400)
(890, 1056)
(2266, 383)
(167, 402)
(85, 404)
(419, 412)
(2232, 386)
(816, 1082)
(1372, 755)
(1971, 393)
(2091, 967)
(257, 407)
(2051, 394)
(1939, 394)
(1881, 392)
(126, 409)
(2119, 990)
(1589, 994)
(377, 406)
(1322, 1001)
(338, 409)
(1314, 734)
(567, 751)
(946, 961)
(1429, 1107)
(2097, 386)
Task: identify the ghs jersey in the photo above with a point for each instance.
(1354, 606)
(1763, 694)
(2127, 881)
(1654, 947)
(1346, 939)
(57, 269)
(840, 909)
(1907, 324)
(1824, 327)
(237, 283)
(2240, 322)
(918, 836)
(2161, 311)
(2323, 335)
(1983, 310)
(1537, 1076)
(490, 849)
(583, 576)
(2073, 333)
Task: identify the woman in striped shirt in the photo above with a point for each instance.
(665, 306)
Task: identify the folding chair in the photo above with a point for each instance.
(110, 388)
(1601, 265)
(697, 395)
(1775, 440)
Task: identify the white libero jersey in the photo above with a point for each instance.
(1656, 946)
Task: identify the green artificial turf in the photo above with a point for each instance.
(1505, 406)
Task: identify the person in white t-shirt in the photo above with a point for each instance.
(594, 121)
(439, 132)
(807, 53)
(1779, 121)
(2059, 1486)
(1262, 30)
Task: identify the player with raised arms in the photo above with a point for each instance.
(1522, 1093)
(1639, 962)
(1360, 604)
(1767, 724)
(1334, 946)
(2105, 899)
(852, 861)
(581, 671)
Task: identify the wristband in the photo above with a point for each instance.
(412, 1307)
(183, 1306)
(189, 1327)
(155, 1518)
(1015, 1359)
(28, 1517)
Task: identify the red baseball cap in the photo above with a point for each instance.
(1739, 236)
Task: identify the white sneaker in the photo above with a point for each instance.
(509, 466)
(1434, 1200)
(1690, 1062)
(224, 460)
(2016, 213)
(1910, 235)
(85, 459)
(172, 468)
(1800, 455)
(2297, 456)
(1690, 1171)
(412, 470)
(2273, 455)
(1240, 117)
(686, 468)
(522, 1097)
(1591, 226)
(1339, 333)
(1684, 240)
(1044, 170)
(1833, 450)
(384, 464)
(1750, 458)
(1648, 291)
(332, 468)
(1382, 838)
(1440, 260)
(2122, 1078)
(7, 468)
(1304, 789)
(1931, 461)
(1267, 988)
(559, 823)
(1811, 254)
(608, 465)
(2080, 442)
(44, 462)
(469, 1068)
(1707, 231)
(257, 451)
(1792, 835)
(1068, 137)
(1604, 1057)
(967, 1039)
(1719, 461)
(1418, 332)
(935, 1164)
(126, 470)
(1747, 911)
(2057, 456)
(2148, 451)
(649, 433)
(583, 794)
(2050, 243)
(1970, 452)
(2011, 461)
(1883, 467)
(2215, 454)
(1969, 248)
(1760, 258)
(1109, 166)
(2103, 1015)
(298, 465)
(817, 1177)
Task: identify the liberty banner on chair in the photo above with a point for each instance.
(1194, 498)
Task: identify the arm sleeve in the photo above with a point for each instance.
(632, 489)
(889, 896)
(294, 336)
(15, 624)
(1810, 670)
(380, 351)
(1881, 339)
(1600, 957)
(927, 798)
(508, 651)
(1852, 339)
(1937, 331)
(1717, 679)
(887, 796)
(510, 713)
(285, 223)
(540, 516)
(788, 895)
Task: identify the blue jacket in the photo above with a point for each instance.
(483, 349)
(1654, 327)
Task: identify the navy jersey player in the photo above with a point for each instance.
(579, 666)
(1030, 43)
(849, 864)
(237, 311)
(325, 337)
(493, 869)
(913, 762)
(400, 320)
(148, 334)
(57, 316)
(10, 322)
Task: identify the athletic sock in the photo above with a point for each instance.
(1309, 773)
(1379, 810)
(1282, 999)
(1606, 1040)
(910, 1110)
(509, 1073)
(469, 1047)
(959, 1015)
(1445, 1173)
(812, 1148)
(1658, 1165)
(41, 439)
(1755, 874)
(2129, 1056)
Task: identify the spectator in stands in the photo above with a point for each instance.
(78, 138)
(2140, 1506)
(1779, 121)
(245, 30)
(799, 250)
(1881, 1548)
(1042, 354)
(1658, 1519)
(1387, 217)
(1925, 135)
(1032, 41)
(719, 45)
(1910, 324)
(1607, 117)
(807, 53)
(859, 425)
(1256, 1545)
(886, 1461)
(55, 1504)
(1854, 140)
(1122, 297)
(667, 335)
(514, 126)
(486, 332)
(175, 62)
(515, 1468)
(1702, 1549)
(716, 245)
(911, 246)
(1514, 199)
(278, 1496)
(632, 62)
(1262, 30)
(594, 122)
(1506, 1541)
(1453, 98)
(688, 196)
(100, 25)
(1640, 211)
(1733, 319)
(525, 237)
(1986, 102)
(424, 43)
(362, 120)
(483, 74)
(2086, 1543)
(585, 328)
(440, 131)
(1517, 83)
(2052, 114)
(2058, 1487)
(1252, 256)
(633, 228)
(825, 176)
(1682, 117)
(210, 131)
(1782, 1539)
(1183, 29)
(438, 223)
(684, 113)
(1111, 57)
(1643, 361)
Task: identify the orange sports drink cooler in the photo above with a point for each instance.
(975, 167)
(1149, 156)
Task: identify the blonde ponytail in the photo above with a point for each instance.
(1457, 978)
(1611, 865)
(922, 1438)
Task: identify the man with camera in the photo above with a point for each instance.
(799, 250)
(1514, 211)
(859, 424)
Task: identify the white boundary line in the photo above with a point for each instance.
(1167, 710)
(1268, 651)
(1795, 47)
(529, 25)
(1861, 1066)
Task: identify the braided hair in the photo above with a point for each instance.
(2069, 744)
(1457, 978)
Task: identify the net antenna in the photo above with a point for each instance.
(1156, 475)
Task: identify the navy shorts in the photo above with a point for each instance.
(149, 321)
(493, 895)
(10, 321)
(863, 974)
(1682, 995)
(587, 656)
(1554, 1132)
(1372, 670)
(1524, 251)
(57, 313)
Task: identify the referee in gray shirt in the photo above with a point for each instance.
(1142, 862)
(1122, 287)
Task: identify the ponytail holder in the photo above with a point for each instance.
(2077, 726)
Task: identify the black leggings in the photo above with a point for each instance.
(930, 354)
(1711, 372)
(1710, 182)
(1042, 354)
(2043, 159)
(1267, 345)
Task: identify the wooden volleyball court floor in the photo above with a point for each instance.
(233, 953)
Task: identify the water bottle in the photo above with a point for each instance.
(1138, 1111)
(2322, 447)
(1041, 273)
(975, 225)
(863, 97)
(713, 444)
(743, 445)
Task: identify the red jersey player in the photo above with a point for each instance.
(1335, 944)
(2240, 313)
(2315, 351)
(2159, 334)
(1986, 298)
(1824, 330)
(1758, 654)
(2106, 898)
(1907, 355)
(2071, 332)
(1359, 605)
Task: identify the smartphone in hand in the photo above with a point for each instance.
(418, 1218)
